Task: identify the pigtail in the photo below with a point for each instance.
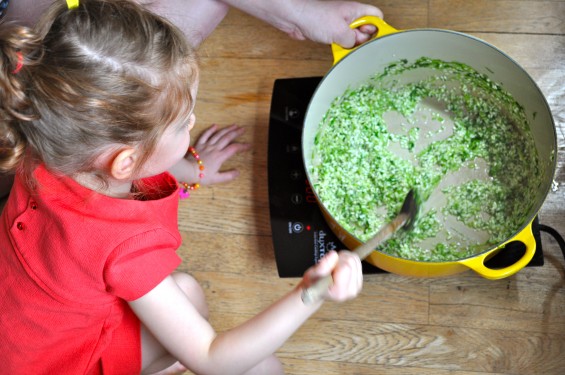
(19, 52)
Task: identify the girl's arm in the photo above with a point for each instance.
(168, 314)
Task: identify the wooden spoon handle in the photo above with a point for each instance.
(364, 250)
(317, 290)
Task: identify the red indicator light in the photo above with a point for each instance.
(308, 227)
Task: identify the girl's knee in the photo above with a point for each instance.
(270, 365)
(193, 291)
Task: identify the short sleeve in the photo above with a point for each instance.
(139, 264)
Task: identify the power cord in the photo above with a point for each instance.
(555, 235)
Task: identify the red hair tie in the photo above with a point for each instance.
(19, 64)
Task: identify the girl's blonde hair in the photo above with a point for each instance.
(104, 74)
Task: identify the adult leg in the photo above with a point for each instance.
(196, 18)
(26, 12)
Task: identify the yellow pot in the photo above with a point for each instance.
(355, 67)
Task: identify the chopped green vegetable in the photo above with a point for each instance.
(449, 121)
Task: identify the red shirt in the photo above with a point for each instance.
(69, 258)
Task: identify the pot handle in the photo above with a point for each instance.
(526, 236)
(383, 28)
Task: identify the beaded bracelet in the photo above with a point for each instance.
(185, 189)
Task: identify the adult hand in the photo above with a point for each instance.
(328, 22)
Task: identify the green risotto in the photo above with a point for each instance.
(452, 134)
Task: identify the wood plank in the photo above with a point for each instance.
(295, 366)
(432, 347)
(412, 346)
(501, 16)
(515, 303)
(530, 51)
(406, 14)
(226, 215)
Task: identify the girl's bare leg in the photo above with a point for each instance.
(271, 365)
(155, 358)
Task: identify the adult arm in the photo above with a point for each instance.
(318, 20)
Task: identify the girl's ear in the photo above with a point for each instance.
(123, 163)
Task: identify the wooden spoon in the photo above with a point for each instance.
(404, 219)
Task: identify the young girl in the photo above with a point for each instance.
(320, 21)
(95, 106)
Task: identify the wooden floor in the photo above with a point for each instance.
(399, 325)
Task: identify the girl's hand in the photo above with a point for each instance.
(345, 268)
(215, 146)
